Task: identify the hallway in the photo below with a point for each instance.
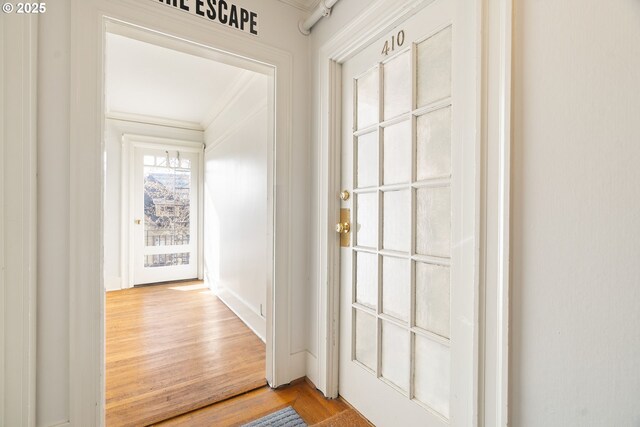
(174, 348)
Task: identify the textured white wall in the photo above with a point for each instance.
(575, 331)
(235, 237)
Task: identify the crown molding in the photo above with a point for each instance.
(235, 90)
(304, 5)
(153, 120)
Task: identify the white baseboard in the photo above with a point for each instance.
(303, 364)
(113, 284)
(298, 365)
(312, 368)
(253, 320)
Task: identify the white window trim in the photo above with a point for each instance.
(494, 140)
(129, 142)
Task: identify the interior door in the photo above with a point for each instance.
(406, 343)
(165, 215)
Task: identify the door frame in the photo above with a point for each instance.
(89, 19)
(493, 34)
(18, 218)
(127, 243)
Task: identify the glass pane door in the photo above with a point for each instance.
(407, 282)
(166, 215)
(402, 148)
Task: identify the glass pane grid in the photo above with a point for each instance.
(167, 203)
(365, 214)
(366, 152)
(445, 262)
(366, 289)
(431, 375)
(380, 219)
(428, 408)
(396, 153)
(433, 221)
(433, 65)
(365, 340)
(433, 295)
(412, 392)
(379, 347)
(430, 336)
(166, 260)
(387, 182)
(396, 220)
(395, 343)
(400, 89)
(367, 98)
(395, 387)
(433, 144)
(366, 309)
(395, 289)
(391, 319)
(432, 183)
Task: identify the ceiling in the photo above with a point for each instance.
(148, 80)
(306, 5)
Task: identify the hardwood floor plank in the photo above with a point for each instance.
(172, 349)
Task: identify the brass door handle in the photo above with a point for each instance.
(138, 221)
(343, 227)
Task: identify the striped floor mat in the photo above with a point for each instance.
(287, 417)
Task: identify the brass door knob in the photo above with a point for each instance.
(344, 195)
(343, 227)
(138, 221)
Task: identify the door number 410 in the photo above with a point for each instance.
(395, 42)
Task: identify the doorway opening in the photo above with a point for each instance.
(188, 199)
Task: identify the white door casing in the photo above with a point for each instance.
(90, 19)
(408, 285)
(18, 216)
(157, 254)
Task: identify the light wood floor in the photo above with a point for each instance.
(172, 349)
(313, 408)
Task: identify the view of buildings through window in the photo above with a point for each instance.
(167, 185)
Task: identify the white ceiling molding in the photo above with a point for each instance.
(250, 114)
(153, 120)
(304, 5)
(236, 88)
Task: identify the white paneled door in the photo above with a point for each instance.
(165, 215)
(405, 349)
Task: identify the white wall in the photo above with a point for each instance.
(114, 130)
(52, 389)
(236, 234)
(278, 27)
(575, 341)
(18, 216)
